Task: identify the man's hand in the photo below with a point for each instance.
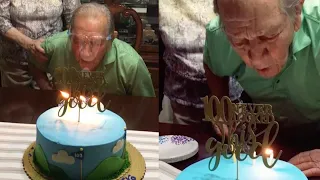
(34, 46)
(308, 162)
(44, 84)
(225, 127)
(219, 130)
(40, 77)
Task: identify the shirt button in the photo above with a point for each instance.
(278, 81)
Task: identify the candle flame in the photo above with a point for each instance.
(65, 94)
(269, 151)
(82, 98)
(94, 100)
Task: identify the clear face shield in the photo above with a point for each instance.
(86, 47)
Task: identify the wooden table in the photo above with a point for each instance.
(201, 133)
(24, 105)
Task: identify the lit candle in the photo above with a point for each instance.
(66, 96)
(270, 152)
(233, 154)
(94, 101)
(83, 100)
(254, 160)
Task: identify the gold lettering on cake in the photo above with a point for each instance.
(79, 84)
(245, 118)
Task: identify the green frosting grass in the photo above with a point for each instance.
(124, 167)
(41, 160)
(47, 169)
(57, 173)
(106, 168)
(110, 168)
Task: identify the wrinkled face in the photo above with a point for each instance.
(259, 32)
(88, 41)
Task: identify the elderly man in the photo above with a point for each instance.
(90, 46)
(272, 47)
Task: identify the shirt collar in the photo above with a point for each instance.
(308, 35)
(300, 38)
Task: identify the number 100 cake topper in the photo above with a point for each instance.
(79, 88)
(243, 117)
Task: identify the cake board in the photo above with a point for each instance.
(136, 170)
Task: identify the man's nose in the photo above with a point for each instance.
(257, 49)
(86, 49)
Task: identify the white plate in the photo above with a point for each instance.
(175, 148)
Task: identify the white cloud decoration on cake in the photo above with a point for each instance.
(118, 146)
(63, 157)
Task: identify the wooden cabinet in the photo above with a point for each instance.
(150, 55)
(149, 48)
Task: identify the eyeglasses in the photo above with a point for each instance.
(92, 41)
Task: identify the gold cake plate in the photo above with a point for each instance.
(137, 168)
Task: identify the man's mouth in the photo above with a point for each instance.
(263, 69)
(89, 59)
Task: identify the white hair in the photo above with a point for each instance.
(94, 10)
(287, 6)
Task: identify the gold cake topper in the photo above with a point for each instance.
(76, 86)
(243, 117)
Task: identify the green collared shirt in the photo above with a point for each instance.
(125, 72)
(295, 92)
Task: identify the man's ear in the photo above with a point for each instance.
(297, 19)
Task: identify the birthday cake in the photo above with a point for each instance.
(235, 157)
(247, 171)
(80, 139)
(93, 148)
(82, 146)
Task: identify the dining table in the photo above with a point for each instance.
(202, 132)
(21, 107)
(24, 105)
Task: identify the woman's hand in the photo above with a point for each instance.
(308, 162)
(34, 47)
(31, 45)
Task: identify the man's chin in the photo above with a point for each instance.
(87, 65)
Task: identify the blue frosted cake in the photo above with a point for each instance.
(248, 170)
(93, 148)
